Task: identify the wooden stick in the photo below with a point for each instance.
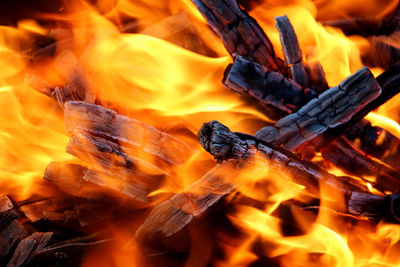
(292, 51)
(240, 33)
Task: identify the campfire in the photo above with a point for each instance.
(200, 133)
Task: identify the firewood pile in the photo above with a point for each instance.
(121, 161)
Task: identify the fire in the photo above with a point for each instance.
(159, 76)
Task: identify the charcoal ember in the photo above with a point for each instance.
(240, 33)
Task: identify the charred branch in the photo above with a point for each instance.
(292, 51)
(331, 109)
(171, 215)
(267, 87)
(383, 51)
(240, 33)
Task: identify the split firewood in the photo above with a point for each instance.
(48, 209)
(368, 26)
(375, 141)
(74, 73)
(101, 121)
(375, 207)
(223, 144)
(267, 87)
(240, 33)
(28, 247)
(11, 231)
(67, 253)
(331, 109)
(315, 74)
(80, 181)
(383, 51)
(389, 81)
(348, 158)
(292, 51)
(171, 215)
(61, 94)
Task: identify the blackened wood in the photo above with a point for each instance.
(316, 76)
(220, 142)
(375, 207)
(224, 145)
(383, 51)
(171, 215)
(331, 109)
(28, 247)
(85, 183)
(267, 87)
(389, 81)
(99, 120)
(375, 141)
(368, 26)
(240, 33)
(10, 236)
(67, 253)
(7, 211)
(292, 51)
(348, 158)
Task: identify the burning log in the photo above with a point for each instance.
(171, 215)
(332, 108)
(66, 253)
(96, 120)
(28, 247)
(11, 231)
(292, 51)
(240, 33)
(249, 78)
(316, 75)
(219, 141)
(383, 51)
(368, 26)
(80, 181)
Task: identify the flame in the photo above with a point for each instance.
(152, 69)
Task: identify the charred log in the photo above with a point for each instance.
(331, 109)
(240, 33)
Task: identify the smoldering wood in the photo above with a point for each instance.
(67, 253)
(173, 214)
(61, 94)
(89, 184)
(375, 207)
(383, 51)
(368, 26)
(375, 141)
(240, 33)
(389, 81)
(10, 236)
(225, 145)
(316, 76)
(267, 87)
(331, 109)
(102, 121)
(291, 50)
(28, 247)
(348, 158)
(11, 231)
